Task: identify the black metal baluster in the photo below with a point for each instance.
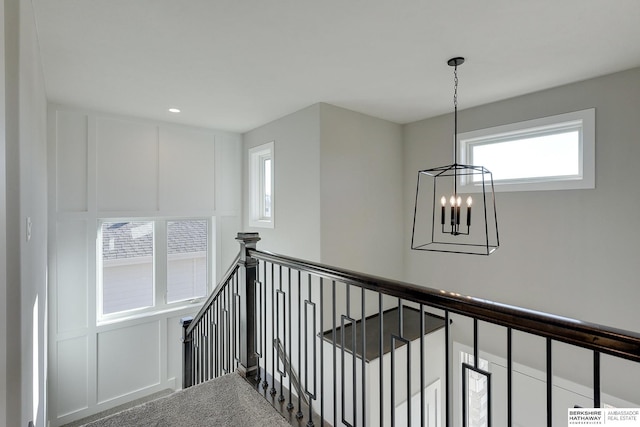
(299, 414)
(265, 381)
(289, 356)
(400, 310)
(381, 351)
(235, 309)
(549, 383)
(284, 311)
(321, 358)
(207, 357)
(216, 344)
(353, 360)
(364, 355)
(400, 319)
(221, 334)
(201, 353)
(273, 390)
(422, 369)
(236, 322)
(509, 377)
(259, 320)
(312, 396)
(230, 343)
(222, 325)
(596, 379)
(197, 344)
(476, 356)
(447, 368)
(335, 365)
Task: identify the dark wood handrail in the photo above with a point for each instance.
(219, 287)
(604, 339)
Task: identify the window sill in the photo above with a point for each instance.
(152, 314)
(261, 223)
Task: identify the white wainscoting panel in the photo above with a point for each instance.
(127, 165)
(128, 360)
(72, 281)
(72, 376)
(228, 185)
(187, 174)
(71, 157)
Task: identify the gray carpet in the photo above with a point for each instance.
(225, 401)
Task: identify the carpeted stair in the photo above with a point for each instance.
(225, 401)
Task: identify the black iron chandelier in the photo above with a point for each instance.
(441, 229)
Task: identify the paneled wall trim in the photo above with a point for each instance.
(107, 166)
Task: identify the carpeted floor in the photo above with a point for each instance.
(225, 401)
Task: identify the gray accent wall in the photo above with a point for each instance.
(337, 188)
(572, 253)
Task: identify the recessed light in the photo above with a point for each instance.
(174, 110)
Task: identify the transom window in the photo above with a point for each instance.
(552, 153)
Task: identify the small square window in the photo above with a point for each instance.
(261, 186)
(552, 153)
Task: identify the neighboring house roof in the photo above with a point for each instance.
(133, 239)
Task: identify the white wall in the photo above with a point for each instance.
(23, 288)
(106, 166)
(296, 183)
(33, 205)
(361, 201)
(572, 253)
(8, 57)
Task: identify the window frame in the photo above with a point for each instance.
(583, 121)
(257, 194)
(160, 273)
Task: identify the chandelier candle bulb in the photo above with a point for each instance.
(469, 211)
(444, 202)
(458, 201)
(452, 202)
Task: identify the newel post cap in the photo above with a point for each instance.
(248, 238)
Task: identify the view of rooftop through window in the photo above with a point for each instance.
(186, 259)
(127, 266)
(129, 260)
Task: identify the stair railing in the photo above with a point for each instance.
(367, 348)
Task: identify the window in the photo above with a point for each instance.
(552, 153)
(186, 260)
(146, 265)
(127, 266)
(261, 194)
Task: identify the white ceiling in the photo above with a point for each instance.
(237, 64)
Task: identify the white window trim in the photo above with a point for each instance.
(159, 271)
(586, 178)
(256, 185)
